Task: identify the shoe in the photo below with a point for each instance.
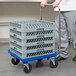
(74, 58)
(59, 58)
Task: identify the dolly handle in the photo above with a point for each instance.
(41, 10)
(59, 23)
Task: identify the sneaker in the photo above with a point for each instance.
(59, 58)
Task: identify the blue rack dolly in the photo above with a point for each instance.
(32, 40)
(28, 67)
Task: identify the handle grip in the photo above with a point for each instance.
(49, 5)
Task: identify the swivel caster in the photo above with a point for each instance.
(15, 61)
(27, 68)
(39, 63)
(53, 63)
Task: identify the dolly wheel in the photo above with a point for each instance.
(54, 63)
(39, 59)
(15, 61)
(27, 69)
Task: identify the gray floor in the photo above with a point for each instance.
(65, 68)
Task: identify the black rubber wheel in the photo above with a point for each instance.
(26, 70)
(39, 64)
(52, 65)
(15, 62)
(39, 59)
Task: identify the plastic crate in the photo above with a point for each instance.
(34, 34)
(29, 26)
(32, 41)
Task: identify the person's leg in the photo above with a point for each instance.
(64, 40)
(70, 18)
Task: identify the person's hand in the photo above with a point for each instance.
(55, 4)
(43, 3)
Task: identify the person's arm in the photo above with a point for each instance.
(43, 3)
(56, 3)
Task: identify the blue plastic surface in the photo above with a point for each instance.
(25, 60)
